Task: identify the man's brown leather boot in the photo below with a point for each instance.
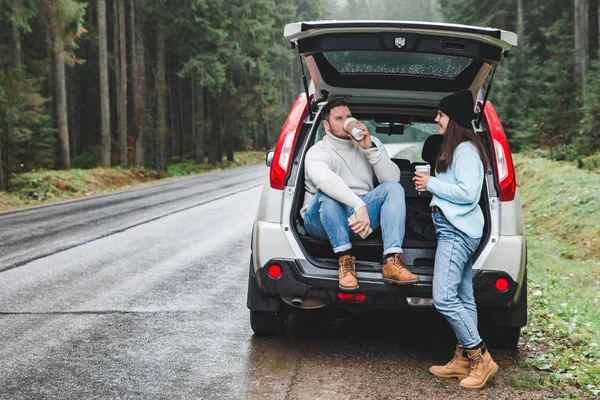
(347, 274)
(458, 367)
(395, 271)
(483, 368)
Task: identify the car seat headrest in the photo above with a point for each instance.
(431, 149)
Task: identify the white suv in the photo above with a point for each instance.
(392, 74)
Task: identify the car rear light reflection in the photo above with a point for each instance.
(502, 158)
(501, 161)
(502, 284)
(274, 271)
(352, 297)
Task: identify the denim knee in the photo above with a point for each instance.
(442, 302)
(438, 302)
(392, 190)
(327, 204)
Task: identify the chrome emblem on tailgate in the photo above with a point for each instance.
(400, 42)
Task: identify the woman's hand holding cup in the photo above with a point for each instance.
(422, 176)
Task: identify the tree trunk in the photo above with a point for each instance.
(182, 124)
(61, 103)
(291, 82)
(3, 177)
(229, 145)
(593, 29)
(582, 41)
(173, 119)
(2, 181)
(266, 132)
(116, 60)
(73, 117)
(214, 132)
(219, 137)
(132, 67)
(254, 137)
(520, 23)
(17, 46)
(123, 86)
(230, 142)
(206, 122)
(200, 125)
(141, 117)
(6, 163)
(16, 36)
(104, 85)
(161, 105)
(193, 98)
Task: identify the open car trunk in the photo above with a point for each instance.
(392, 73)
(409, 138)
(413, 63)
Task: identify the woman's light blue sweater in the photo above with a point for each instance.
(457, 191)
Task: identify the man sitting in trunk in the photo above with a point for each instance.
(339, 176)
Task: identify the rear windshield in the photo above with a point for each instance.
(405, 143)
(395, 63)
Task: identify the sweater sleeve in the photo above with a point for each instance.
(468, 173)
(384, 168)
(319, 171)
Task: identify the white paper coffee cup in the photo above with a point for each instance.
(424, 169)
(350, 127)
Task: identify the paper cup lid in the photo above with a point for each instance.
(421, 167)
(347, 121)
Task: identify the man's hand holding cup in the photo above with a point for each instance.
(358, 132)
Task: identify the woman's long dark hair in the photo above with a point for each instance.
(455, 135)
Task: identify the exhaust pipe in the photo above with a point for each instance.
(297, 301)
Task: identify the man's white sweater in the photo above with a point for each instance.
(344, 171)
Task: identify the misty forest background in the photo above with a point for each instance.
(153, 82)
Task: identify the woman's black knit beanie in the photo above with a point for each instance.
(459, 107)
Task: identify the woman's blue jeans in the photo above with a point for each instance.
(327, 219)
(452, 281)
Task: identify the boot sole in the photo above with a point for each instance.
(460, 377)
(489, 376)
(400, 282)
(348, 289)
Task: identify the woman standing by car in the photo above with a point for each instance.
(458, 220)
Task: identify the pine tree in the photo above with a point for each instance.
(104, 84)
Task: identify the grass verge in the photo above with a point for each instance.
(40, 187)
(562, 219)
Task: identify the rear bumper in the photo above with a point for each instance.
(295, 281)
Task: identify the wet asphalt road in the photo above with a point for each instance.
(142, 295)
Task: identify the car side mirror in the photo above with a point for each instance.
(269, 158)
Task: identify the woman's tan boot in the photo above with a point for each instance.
(458, 367)
(483, 367)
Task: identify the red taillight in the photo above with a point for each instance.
(352, 297)
(284, 151)
(505, 171)
(502, 284)
(274, 271)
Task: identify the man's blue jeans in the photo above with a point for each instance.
(452, 281)
(327, 219)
